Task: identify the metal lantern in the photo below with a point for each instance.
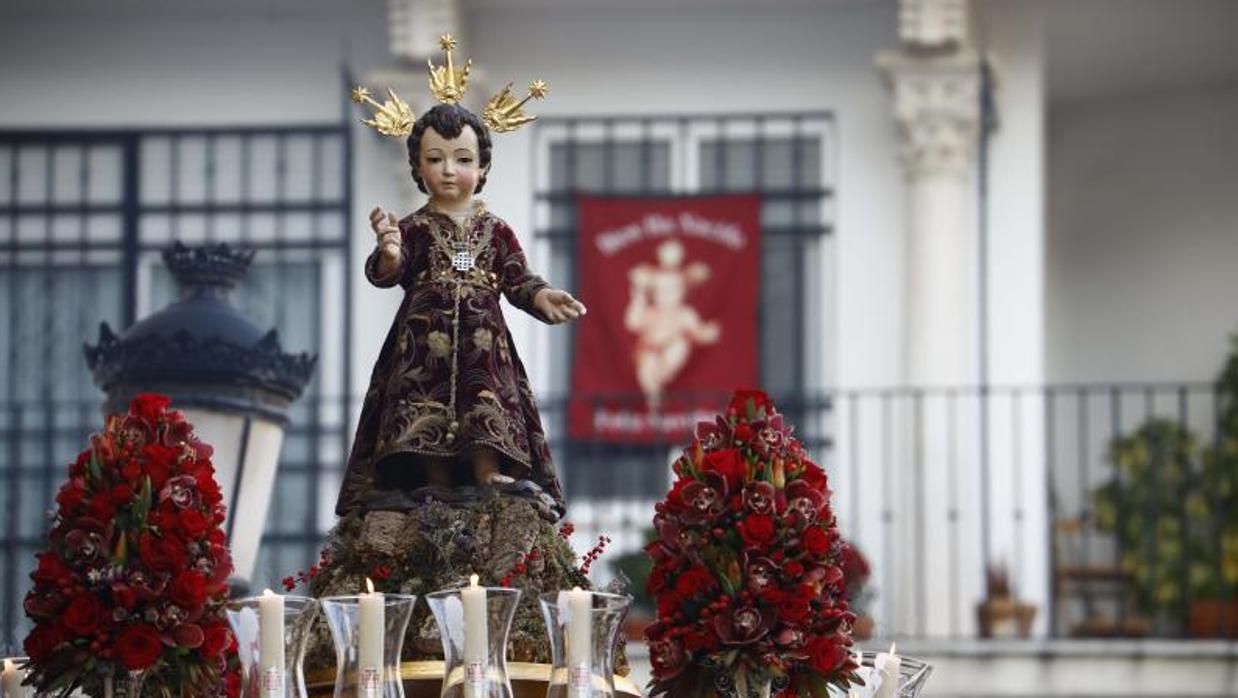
(232, 381)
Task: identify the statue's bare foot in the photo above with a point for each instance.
(497, 479)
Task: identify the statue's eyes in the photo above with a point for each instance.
(433, 159)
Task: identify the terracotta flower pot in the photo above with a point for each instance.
(1214, 618)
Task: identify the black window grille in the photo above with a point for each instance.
(83, 218)
(789, 159)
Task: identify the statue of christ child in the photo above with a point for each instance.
(449, 404)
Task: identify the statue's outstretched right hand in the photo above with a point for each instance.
(387, 229)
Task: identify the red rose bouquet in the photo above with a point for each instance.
(747, 576)
(134, 579)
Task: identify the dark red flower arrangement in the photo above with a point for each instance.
(747, 576)
(135, 574)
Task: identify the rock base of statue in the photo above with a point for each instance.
(418, 546)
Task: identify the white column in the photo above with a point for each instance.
(936, 107)
(936, 578)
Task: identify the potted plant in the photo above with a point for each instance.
(1214, 572)
(1173, 507)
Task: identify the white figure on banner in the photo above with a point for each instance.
(666, 326)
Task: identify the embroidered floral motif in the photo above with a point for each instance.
(440, 344)
(483, 338)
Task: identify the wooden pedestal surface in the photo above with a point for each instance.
(425, 680)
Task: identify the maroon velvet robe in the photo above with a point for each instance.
(448, 378)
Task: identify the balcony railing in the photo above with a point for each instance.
(933, 486)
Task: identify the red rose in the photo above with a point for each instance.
(84, 614)
(815, 541)
(743, 433)
(192, 524)
(121, 494)
(668, 604)
(208, 487)
(160, 454)
(161, 554)
(72, 495)
(51, 570)
(188, 589)
(139, 647)
(794, 609)
(826, 654)
(78, 468)
(794, 570)
(131, 470)
(43, 639)
(814, 475)
(215, 640)
(698, 640)
(125, 596)
(149, 406)
(771, 595)
(757, 530)
(741, 398)
(675, 496)
(160, 461)
(729, 464)
(693, 582)
(102, 506)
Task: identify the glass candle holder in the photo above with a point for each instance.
(14, 673)
(583, 627)
(475, 666)
(912, 675)
(367, 660)
(270, 674)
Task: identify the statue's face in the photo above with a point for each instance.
(449, 166)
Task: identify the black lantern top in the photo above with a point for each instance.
(200, 350)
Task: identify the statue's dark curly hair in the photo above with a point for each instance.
(449, 120)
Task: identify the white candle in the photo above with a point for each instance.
(371, 630)
(579, 639)
(13, 677)
(886, 666)
(271, 643)
(476, 637)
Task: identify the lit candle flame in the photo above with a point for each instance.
(892, 652)
(369, 585)
(268, 592)
(473, 580)
(8, 665)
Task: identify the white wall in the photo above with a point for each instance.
(1143, 236)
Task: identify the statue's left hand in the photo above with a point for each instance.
(558, 306)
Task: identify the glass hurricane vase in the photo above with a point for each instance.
(473, 624)
(279, 673)
(583, 627)
(368, 632)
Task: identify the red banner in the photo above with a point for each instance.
(671, 286)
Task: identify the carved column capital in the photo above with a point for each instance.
(936, 106)
(933, 24)
(415, 26)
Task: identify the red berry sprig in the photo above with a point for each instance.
(521, 567)
(594, 553)
(302, 577)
